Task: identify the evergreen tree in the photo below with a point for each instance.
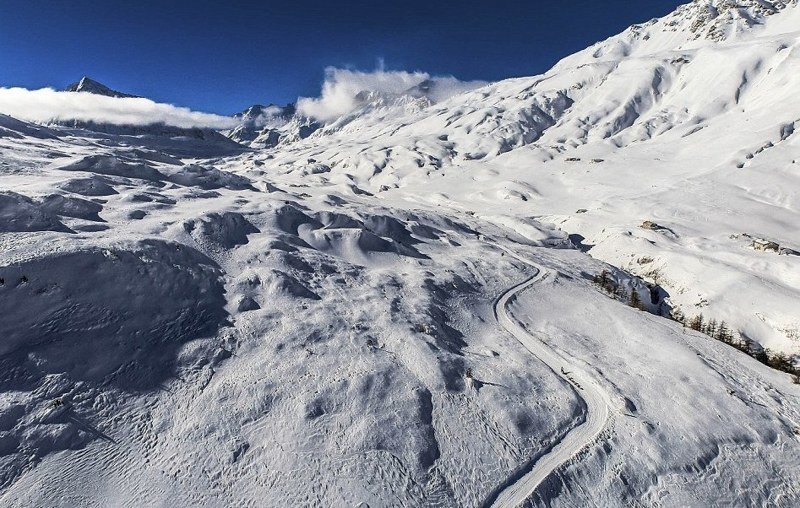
(761, 356)
(697, 323)
(711, 327)
(724, 333)
(780, 361)
(605, 282)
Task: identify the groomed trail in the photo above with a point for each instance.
(524, 482)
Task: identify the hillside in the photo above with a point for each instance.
(450, 294)
(666, 123)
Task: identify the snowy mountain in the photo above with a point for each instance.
(88, 85)
(175, 140)
(658, 95)
(261, 122)
(423, 294)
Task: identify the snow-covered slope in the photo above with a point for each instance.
(398, 308)
(666, 122)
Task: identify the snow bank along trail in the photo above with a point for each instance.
(528, 477)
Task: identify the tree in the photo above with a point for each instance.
(697, 323)
(724, 333)
(604, 281)
(711, 327)
(780, 361)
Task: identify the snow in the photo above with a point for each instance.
(88, 85)
(395, 307)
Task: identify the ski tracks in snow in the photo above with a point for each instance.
(523, 484)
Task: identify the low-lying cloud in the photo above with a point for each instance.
(47, 105)
(268, 117)
(341, 86)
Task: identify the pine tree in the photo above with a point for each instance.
(697, 323)
(724, 333)
(758, 353)
(711, 327)
(605, 282)
(780, 361)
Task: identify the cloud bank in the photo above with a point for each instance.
(47, 105)
(338, 96)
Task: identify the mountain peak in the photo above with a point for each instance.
(88, 85)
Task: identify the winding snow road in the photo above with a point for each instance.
(531, 475)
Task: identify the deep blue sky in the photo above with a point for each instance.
(223, 56)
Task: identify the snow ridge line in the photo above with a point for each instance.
(522, 485)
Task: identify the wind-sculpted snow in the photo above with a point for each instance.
(92, 186)
(207, 178)
(226, 230)
(19, 213)
(13, 128)
(72, 207)
(131, 166)
(249, 343)
(314, 323)
(126, 314)
(85, 324)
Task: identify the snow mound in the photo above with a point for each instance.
(282, 283)
(80, 326)
(57, 204)
(20, 213)
(12, 128)
(138, 306)
(195, 175)
(133, 165)
(351, 244)
(289, 217)
(92, 186)
(226, 230)
(115, 166)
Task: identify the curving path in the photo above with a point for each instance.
(527, 479)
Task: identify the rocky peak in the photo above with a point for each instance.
(89, 85)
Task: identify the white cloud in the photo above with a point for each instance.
(47, 105)
(268, 117)
(338, 96)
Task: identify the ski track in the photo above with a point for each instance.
(523, 484)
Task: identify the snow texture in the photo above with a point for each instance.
(392, 303)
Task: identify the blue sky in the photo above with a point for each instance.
(223, 56)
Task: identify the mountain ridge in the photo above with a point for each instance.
(88, 85)
(540, 290)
